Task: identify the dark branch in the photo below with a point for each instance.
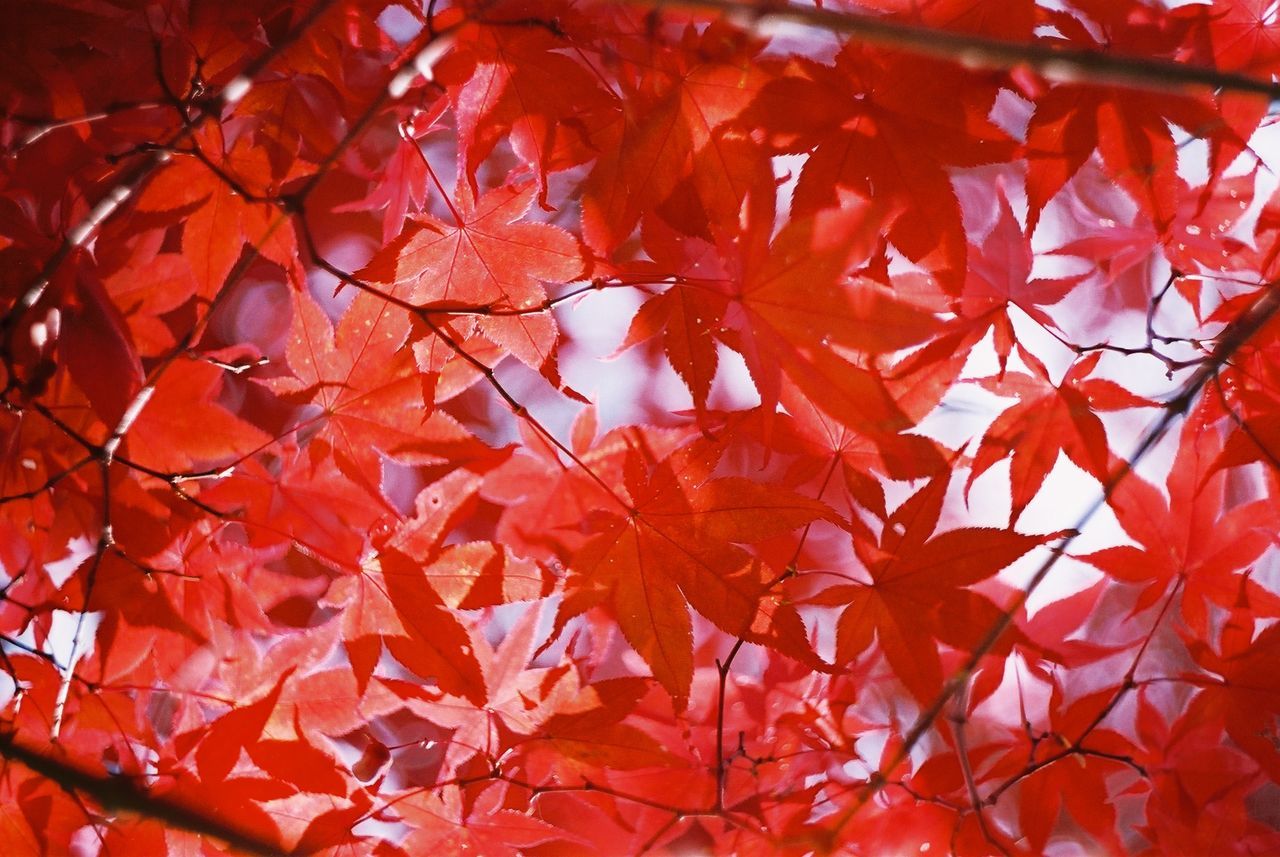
(1074, 65)
(123, 795)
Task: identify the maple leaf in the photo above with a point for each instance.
(788, 312)
(1241, 36)
(486, 258)
(794, 289)
(1244, 701)
(1255, 433)
(1130, 134)
(374, 401)
(1189, 535)
(333, 828)
(298, 502)
(1199, 772)
(1130, 131)
(828, 447)
(918, 592)
(585, 729)
(688, 315)
(184, 408)
(676, 547)
(511, 692)
(147, 289)
(483, 574)
(1050, 419)
(862, 122)
(98, 349)
(220, 745)
(400, 182)
(515, 84)
(390, 602)
(673, 143)
(143, 600)
(292, 129)
(999, 279)
(490, 830)
(1079, 788)
(437, 511)
(783, 330)
(223, 221)
(548, 505)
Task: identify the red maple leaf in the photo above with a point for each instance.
(673, 544)
(861, 121)
(918, 595)
(1187, 536)
(486, 259)
(1050, 419)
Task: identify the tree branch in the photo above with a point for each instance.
(125, 796)
(1075, 65)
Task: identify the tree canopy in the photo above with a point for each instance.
(564, 427)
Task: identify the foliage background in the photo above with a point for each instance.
(561, 427)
